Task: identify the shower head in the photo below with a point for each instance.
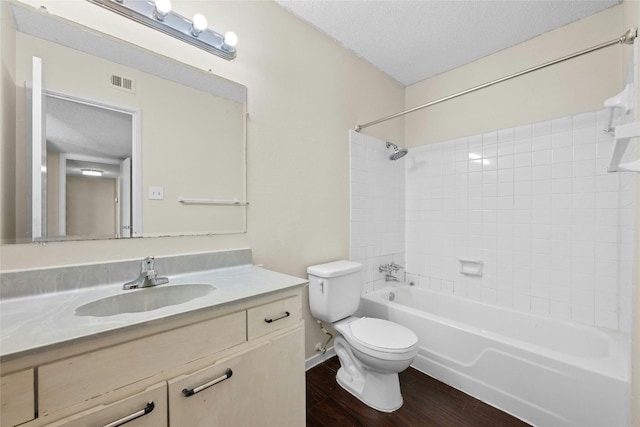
(397, 152)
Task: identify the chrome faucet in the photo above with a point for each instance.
(390, 278)
(148, 276)
(390, 269)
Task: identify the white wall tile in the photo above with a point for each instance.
(606, 319)
(562, 154)
(534, 202)
(584, 120)
(560, 309)
(586, 135)
(378, 202)
(541, 128)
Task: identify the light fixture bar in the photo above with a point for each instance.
(171, 23)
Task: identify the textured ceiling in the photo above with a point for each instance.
(87, 130)
(414, 40)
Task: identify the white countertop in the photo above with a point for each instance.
(39, 322)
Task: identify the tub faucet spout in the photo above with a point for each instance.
(148, 276)
(390, 278)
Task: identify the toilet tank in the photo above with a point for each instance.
(334, 290)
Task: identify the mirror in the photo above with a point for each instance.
(163, 143)
(89, 151)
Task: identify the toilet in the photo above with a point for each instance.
(371, 351)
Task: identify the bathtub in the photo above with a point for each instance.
(545, 371)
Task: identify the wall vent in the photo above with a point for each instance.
(122, 83)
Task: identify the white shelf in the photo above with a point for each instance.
(622, 101)
(623, 134)
(630, 167)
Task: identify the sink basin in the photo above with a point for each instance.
(145, 299)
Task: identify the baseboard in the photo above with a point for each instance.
(319, 358)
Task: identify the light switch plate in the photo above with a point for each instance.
(156, 193)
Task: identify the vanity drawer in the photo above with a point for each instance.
(77, 383)
(17, 397)
(146, 409)
(273, 316)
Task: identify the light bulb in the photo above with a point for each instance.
(198, 25)
(230, 39)
(91, 172)
(163, 7)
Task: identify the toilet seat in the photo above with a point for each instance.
(382, 335)
(378, 337)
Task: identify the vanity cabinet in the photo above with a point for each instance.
(99, 382)
(71, 382)
(146, 409)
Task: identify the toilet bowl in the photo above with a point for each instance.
(371, 351)
(385, 346)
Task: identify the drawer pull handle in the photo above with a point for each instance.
(191, 391)
(135, 415)
(286, 314)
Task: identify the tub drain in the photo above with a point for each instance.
(392, 296)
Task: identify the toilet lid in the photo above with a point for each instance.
(382, 334)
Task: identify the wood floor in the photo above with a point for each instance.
(427, 403)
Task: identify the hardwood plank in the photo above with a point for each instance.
(427, 402)
(327, 415)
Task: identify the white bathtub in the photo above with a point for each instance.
(545, 371)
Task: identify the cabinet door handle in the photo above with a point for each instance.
(140, 413)
(286, 314)
(191, 391)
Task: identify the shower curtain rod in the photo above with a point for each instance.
(627, 38)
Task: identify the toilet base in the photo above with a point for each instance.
(376, 390)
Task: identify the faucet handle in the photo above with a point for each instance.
(395, 267)
(147, 264)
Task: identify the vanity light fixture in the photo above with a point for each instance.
(198, 25)
(91, 172)
(230, 40)
(158, 15)
(163, 7)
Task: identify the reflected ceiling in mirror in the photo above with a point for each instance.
(183, 131)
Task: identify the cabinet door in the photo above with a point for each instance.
(265, 386)
(17, 398)
(146, 409)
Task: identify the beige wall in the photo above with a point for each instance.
(304, 93)
(578, 85)
(91, 206)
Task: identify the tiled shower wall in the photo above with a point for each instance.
(377, 208)
(535, 204)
